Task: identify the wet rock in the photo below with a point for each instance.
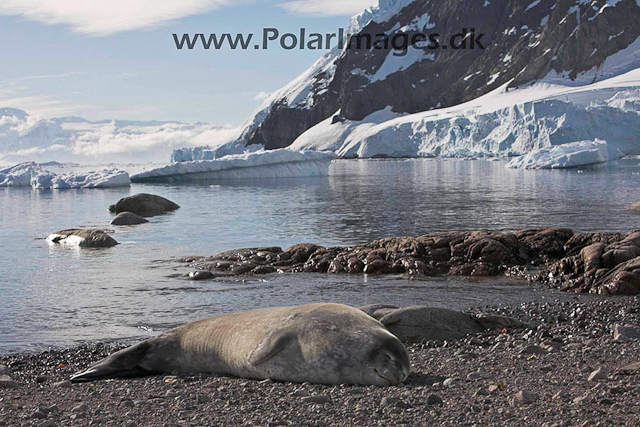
(549, 242)
(85, 238)
(128, 218)
(635, 207)
(201, 275)
(144, 205)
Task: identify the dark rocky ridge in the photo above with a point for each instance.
(604, 263)
(574, 42)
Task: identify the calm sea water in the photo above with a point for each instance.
(53, 296)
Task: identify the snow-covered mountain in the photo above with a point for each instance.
(373, 103)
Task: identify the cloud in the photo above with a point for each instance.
(45, 105)
(102, 17)
(261, 96)
(326, 7)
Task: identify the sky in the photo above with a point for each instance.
(117, 59)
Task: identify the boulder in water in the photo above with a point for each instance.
(144, 205)
(128, 218)
(85, 238)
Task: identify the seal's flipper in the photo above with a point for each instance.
(122, 364)
(270, 346)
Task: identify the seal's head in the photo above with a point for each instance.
(387, 363)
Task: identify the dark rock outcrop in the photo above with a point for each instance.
(85, 238)
(144, 205)
(128, 218)
(606, 263)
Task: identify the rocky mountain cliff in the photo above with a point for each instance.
(573, 42)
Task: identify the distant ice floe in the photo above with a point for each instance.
(575, 154)
(281, 163)
(31, 174)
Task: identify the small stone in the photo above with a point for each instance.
(581, 399)
(37, 415)
(47, 423)
(474, 376)
(170, 379)
(63, 384)
(533, 349)
(7, 382)
(481, 392)
(449, 382)
(493, 388)
(388, 401)
(202, 398)
(40, 379)
(524, 397)
(599, 374)
(81, 408)
(561, 395)
(626, 333)
(318, 398)
(434, 399)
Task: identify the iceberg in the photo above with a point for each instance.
(106, 178)
(32, 175)
(575, 154)
(281, 163)
(189, 154)
(18, 175)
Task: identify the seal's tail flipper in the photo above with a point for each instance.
(123, 364)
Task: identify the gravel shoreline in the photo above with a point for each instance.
(566, 371)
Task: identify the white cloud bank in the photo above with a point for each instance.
(100, 17)
(35, 138)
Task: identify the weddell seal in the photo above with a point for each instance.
(318, 343)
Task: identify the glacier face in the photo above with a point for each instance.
(261, 164)
(502, 123)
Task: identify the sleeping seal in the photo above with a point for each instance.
(318, 343)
